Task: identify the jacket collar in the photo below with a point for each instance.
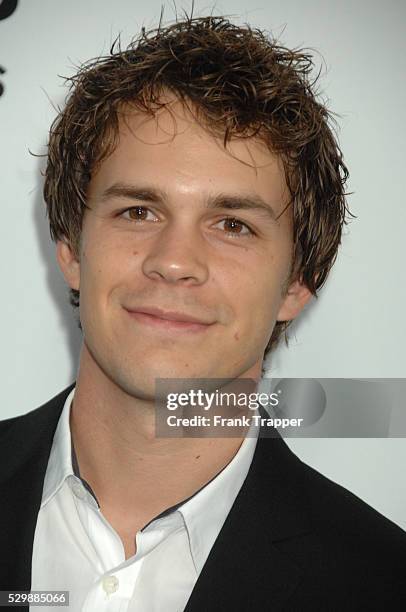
(246, 568)
(25, 446)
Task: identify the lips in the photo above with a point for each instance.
(165, 321)
(179, 317)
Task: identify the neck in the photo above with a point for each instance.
(133, 473)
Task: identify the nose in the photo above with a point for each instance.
(177, 254)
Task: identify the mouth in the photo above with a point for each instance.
(168, 321)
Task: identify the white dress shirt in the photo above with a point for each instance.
(77, 550)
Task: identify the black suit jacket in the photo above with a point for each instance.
(293, 540)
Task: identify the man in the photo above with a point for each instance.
(196, 195)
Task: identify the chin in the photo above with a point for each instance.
(140, 382)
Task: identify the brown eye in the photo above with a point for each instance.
(235, 227)
(137, 213)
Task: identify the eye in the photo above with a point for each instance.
(233, 228)
(135, 213)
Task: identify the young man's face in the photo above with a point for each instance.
(152, 240)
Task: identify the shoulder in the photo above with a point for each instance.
(351, 543)
(332, 505)
(37, 414)
(21, 434)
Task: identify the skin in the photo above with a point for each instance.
(180, 256)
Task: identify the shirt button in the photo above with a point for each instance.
(110, 584)
(78, 490)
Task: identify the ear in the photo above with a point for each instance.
(68, 263)
(297, 296)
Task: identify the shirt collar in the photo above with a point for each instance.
(203, 513)
(60, 458)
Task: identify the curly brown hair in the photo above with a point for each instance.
(242, 84)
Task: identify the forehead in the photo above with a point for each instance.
(174, 150)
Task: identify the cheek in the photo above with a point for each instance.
(104, 264)
(254, 290)
(96, 286)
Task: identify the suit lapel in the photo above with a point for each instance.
(247, 568)
(24, 452)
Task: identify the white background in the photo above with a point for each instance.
(356, 329)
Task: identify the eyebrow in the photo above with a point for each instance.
(156, 195)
